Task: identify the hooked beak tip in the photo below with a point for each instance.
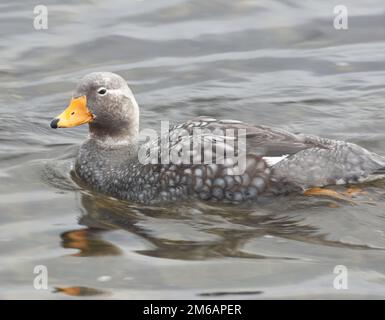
(54, 123)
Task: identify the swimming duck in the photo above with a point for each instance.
(276, 160)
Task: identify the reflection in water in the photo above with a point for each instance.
(196, 231)
(89, 243)
(80, 291)
(229, 293)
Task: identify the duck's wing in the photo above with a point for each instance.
(213, 167)
(224, 137)
(261, 140)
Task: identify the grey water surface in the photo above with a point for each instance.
(278, 63)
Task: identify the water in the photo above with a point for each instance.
(278, 63)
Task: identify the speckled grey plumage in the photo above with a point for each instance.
(108, 161)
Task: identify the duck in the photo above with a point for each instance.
(114, 160)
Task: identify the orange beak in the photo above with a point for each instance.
(76, 114)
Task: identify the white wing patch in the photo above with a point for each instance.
(271, 161)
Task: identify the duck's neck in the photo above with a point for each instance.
(122, 133)
(118, 123)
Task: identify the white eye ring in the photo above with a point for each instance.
(102, 91)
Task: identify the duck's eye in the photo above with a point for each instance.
(102, 91)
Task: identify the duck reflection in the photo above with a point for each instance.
(89, 242)
(192, 231)
(80, 291)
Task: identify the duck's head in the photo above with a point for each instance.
(106, 103)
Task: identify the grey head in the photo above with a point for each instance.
(111, 109)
